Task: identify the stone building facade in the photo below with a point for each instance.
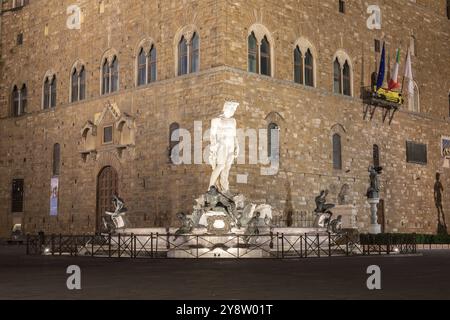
(117, 139)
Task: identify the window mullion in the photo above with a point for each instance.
(147, 61)
(258, 56)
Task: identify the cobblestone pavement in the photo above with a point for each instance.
(425, 276)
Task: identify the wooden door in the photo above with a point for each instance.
(107, 187)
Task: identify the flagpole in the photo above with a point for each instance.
(403, 81)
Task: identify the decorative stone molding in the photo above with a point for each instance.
(147, 43)
(124, 132)
(274, 117)
(77, 65)
(338, 128)
(109, 56)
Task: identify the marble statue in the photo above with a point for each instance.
(224, 147)
(374, 190)
(118, 216)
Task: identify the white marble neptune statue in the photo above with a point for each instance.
(224, 147)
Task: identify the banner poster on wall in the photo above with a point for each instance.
(445, 149)
(54, 196)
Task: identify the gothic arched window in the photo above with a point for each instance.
(115, 75)
(74, 80)
(15, 97)
(298, 66)
(105, 77)
(347, 80)
(337, 77)
(53, 92)
(309, 69)
(49, 99)
(195, 53)
(252, 53)
(142, 68)
(151, 73)
(337, 152)
(182, 57)
(56, 159)
(273, 141)
(265, 57)
(82, 83)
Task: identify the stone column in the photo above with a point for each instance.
(374, 227)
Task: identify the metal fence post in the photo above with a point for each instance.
(318, 245)
(347, 240)
(28, 244)
(329, 244)
(157, 241)
(109, 245)
(197, 245)
(282, 245)
(118, 249)
(306, 245)
(278, 245)
(238, 245)
(151, 245)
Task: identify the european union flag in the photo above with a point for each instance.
(382, 70)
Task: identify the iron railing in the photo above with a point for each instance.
(156, 245)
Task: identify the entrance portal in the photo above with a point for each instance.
(107, 187)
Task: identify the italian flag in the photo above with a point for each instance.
(393, 83)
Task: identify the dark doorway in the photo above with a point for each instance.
(107, 186)
(381, 216)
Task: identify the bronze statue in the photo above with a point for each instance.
(336, 225)
(323, 210)
(321, 203)
(252, 228)
(374, 190)
(186, 225)
(438, 190)
(218, 201)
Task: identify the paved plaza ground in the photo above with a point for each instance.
(424, 276)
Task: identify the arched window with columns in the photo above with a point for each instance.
(342, 74)
(260, 51)
(304, 68)
(146, 64)
(187, 51)
(78, 83)
(110, 75)
(49, 92)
